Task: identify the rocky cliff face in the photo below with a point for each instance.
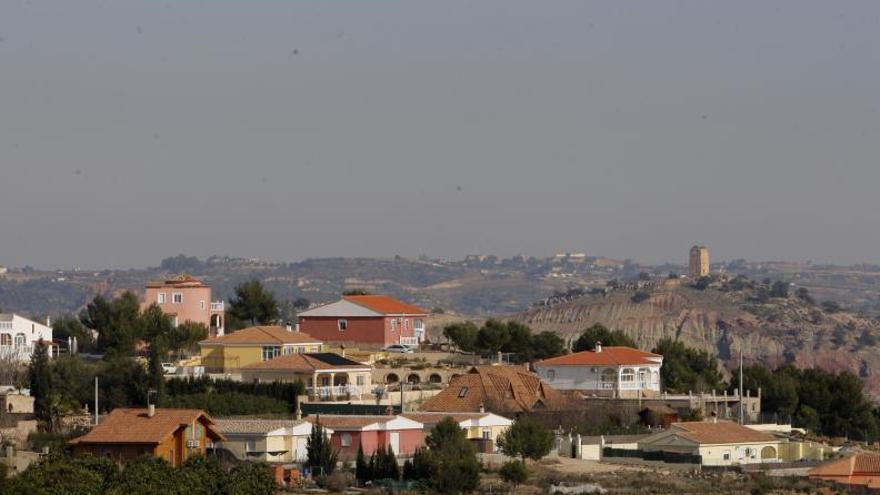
(725, 321)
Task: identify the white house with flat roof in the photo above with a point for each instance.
(19, 336)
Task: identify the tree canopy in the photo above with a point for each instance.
(527, 439)
(252, 305)
(600, 333)
(504, 336)
(685, 369)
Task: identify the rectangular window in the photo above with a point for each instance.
(551, 374)
(160, 298)
(271, 352)
(462, 392)
(177, 297)
(202, 304)
(346, 439)
(487, 434)
(174, 321)
(251, 446)
(726, 455)
(360, 380)
(393, 325)
(342, 325)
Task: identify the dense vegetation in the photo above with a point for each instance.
(824, 402)
(685, 369)
(504, 336)
(148, 475)
(599, 333)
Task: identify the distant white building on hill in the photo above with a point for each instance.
(19, 336)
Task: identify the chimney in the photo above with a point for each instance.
(151, 410)
(299, 412)
(482, 408)
(289, 328)
(296, 328)
(49, 321)
(598, 346)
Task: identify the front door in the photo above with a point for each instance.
(395, 442)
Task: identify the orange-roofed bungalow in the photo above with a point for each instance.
(170, 434)
(621, 372)
(372, 319)
(861, 469)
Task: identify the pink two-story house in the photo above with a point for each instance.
(186, 298)
(369, 319)
(400, 434)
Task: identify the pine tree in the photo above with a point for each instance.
(362, 470)
(40, 377)
(319, 453)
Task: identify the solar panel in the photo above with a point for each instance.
(333, 359)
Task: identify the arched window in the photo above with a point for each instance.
(628, 375)
(5, 339)
(20, 340)
(391, 378)
(435, 378)
(413, 379)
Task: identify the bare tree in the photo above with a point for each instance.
(12, 371)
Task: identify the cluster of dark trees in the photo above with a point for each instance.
(832, 404)
(231, 397)
(504, 336)
(148, 475)
(686, 369)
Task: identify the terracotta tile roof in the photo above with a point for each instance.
(307, 362)
(721, 432)
(348, 422)
(272, 335)
(860, 464)
(135, 427)
(386, 305)
(610, 356)
(500, 389)
(182, 280)
(431, 418)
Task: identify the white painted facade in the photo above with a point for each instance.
(612, 372)
(19, 335)
(250, 442)
(719, 454)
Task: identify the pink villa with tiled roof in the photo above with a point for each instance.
(402, 435)
(185, 298)
(621, 372)
(372, 319)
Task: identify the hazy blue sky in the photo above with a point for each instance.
(131, 131)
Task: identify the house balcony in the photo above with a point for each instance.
(410, 341)
(331, 392)
(217, 306)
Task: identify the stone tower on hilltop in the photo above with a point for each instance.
(698, 265)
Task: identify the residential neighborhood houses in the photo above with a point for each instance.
(333, 369)
(19, 335)
(367, 319)
(621, 372)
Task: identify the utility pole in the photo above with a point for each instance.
(96, 401)
(741, 414)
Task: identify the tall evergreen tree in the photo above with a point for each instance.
(320, 455)
(40, 376)
(362, 470)
(253, 305)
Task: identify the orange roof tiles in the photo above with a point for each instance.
(348, 422)
(385, 305)
(182, 280)
(721, 432)
(134, 426)
(499, 389)
(609, 356)
(862, 468)
(263, 335)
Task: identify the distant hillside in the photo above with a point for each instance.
(728, 316)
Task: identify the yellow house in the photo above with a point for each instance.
(266, 440)
(325, 374)
(253, 345)
(477, 425)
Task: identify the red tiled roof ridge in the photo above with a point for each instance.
(384, 304)
(611, 355)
